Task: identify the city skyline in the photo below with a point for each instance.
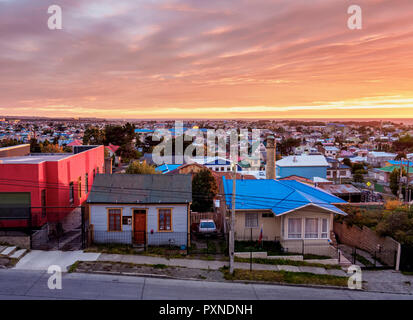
(207, 60)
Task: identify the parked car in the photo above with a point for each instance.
(207, 227)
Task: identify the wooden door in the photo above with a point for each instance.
(139, 226)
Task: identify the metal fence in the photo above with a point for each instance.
(380, 258)
(58, 229)
(175, 240)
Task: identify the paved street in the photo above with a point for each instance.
(23, 284)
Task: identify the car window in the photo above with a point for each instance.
(207, 225)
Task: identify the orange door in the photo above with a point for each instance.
(139, 226)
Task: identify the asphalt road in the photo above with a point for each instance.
(21, 284)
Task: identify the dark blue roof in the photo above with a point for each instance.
(278, 196)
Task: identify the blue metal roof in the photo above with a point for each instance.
(278, 196)
(397, 162)
(165, 168)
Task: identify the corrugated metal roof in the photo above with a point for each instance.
(340, 189)
(139, 188)
(303, 161)
(278, 196)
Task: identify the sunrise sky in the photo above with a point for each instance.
(207, 59)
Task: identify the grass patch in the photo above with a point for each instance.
(73, 267)
(285, 277)
(407, 273)
(363, 260)
(160, 266)
(287, 262)
(315, 257)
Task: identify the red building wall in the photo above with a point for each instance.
(55, 178)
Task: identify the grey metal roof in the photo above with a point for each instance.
(137, 188)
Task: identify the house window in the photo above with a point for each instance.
(43, 195)
(294, 228)
(79, 187)
(222, 169)
(164, 219)
(324, 228)
(343, 173)
(71, 192)
(311, 228)
(251, 220)
(267, 215)
(114, 219)
(86, 183)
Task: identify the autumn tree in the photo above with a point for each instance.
(204, 190)
(137, 167)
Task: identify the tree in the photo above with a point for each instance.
(394, 180)
(204, 190)
(358, 177)
(347, 162)
(34, 146)
(286, 145)
(50, 148)
(93, 135)
(137, 167)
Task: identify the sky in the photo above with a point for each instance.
(215, 59)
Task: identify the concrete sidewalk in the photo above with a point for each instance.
(42, 260)
(212, 264)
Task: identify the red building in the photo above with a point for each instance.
(46, 187)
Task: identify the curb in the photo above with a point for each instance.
(151, 275)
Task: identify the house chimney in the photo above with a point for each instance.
(270, 165)
(108, 165)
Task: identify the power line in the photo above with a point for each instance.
(124, 191)
(243, 198)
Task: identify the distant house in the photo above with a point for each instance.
(75, 143)
(382, 175)
(111, 149)
(287, 211)
(346, 192)
(307, 166)
(337, 170)
(379, 158)
(140, 209)
(330, 151)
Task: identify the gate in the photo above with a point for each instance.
(60, 228)
(379, 259)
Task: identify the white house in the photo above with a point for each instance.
(140, 209)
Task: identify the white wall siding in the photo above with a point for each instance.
(178, 236)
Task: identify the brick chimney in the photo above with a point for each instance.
(270, 165)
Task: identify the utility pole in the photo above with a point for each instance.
(232, 226)
(400, 179)
(406, 198)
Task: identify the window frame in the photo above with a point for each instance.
(317, 225)
(79, 187)
(245, 220)
(86, 183)
(71, 192)
(171, 219)
(108, 217)
(301, 228)
(321, 228)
